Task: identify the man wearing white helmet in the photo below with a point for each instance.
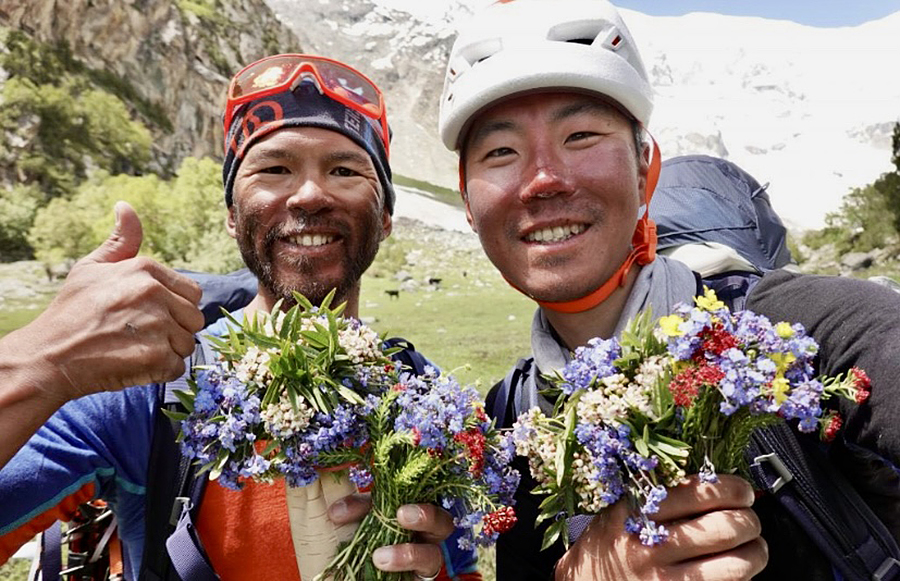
(546, 104)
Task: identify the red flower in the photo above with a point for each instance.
(862, 384)
(686, 385)
(417, 436)
(499, 521)
(831, 429)
(716, 339)
(480, 415)
(474, 442)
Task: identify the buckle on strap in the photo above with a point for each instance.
(888, 570)
(784, 475)
(181, 505)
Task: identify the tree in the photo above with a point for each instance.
(889, 183)
(183, 218)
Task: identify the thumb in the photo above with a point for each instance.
(125, 239)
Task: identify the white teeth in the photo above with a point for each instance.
(556, 233)
(311, 240)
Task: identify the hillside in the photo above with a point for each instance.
(168, 60)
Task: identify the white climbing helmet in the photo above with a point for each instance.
(515, 46)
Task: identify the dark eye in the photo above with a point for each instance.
(276, 169)
(500, 152)
(579, 135)
(344, 172)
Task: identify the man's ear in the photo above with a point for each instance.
(643, 168)
(387, 223)
(465, 197)
(229, 223)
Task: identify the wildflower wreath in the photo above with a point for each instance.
(309, 395)
(636, 415)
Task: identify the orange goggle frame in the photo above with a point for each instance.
(279, 73)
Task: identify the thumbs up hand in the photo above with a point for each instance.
(125, 239)
(118, 320)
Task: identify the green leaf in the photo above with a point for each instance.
(185, 398)
(175, 416)
(552, 534)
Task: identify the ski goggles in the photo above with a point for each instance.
(282, 73)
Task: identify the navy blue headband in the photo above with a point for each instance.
(303, 107)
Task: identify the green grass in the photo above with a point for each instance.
(15, 570)
(472, 317)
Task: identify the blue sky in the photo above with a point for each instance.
(826, 13)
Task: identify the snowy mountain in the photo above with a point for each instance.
(809, 110)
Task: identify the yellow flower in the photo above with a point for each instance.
(780, 388)
(782, 360)
(784, 330)
(670, 326)
(709, 301)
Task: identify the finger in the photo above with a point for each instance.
(349, 509)
(177, 283)
(433, 523)
(182, 342)
(171, 370)
(696, 497)
(424, 559)
(125, 239)
(741, 563)
(711, 533)
(185, 313)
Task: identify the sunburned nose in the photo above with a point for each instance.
(546, 181)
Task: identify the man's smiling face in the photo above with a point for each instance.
(553, 184)
(308, 213)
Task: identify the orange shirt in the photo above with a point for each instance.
(247, 535)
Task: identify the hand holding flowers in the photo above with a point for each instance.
(306, 390)
(636, 415)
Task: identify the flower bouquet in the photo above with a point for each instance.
(636, 415)
(313, 397)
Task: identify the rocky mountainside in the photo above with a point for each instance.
(404, 51)
(175, 54)
(808, 109)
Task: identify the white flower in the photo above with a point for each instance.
(361, 343)
(253, 367)
(283, 421)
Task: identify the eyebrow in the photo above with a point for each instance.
(482, 132)
(268, 155)
(348, 155)
(587, 106)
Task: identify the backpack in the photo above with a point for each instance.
(729, 246)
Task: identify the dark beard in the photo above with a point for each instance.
(309, 285)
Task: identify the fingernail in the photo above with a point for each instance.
(409, 515)
(338, 510)
(381, 557)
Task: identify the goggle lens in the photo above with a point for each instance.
(278, 73)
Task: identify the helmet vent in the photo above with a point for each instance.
(578, 31)
(613, 39)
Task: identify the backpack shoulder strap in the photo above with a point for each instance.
(501, 400)
(732, 288)
(825, 505)
(408, 356)
(174, 485)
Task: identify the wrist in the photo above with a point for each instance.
(31, 370)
